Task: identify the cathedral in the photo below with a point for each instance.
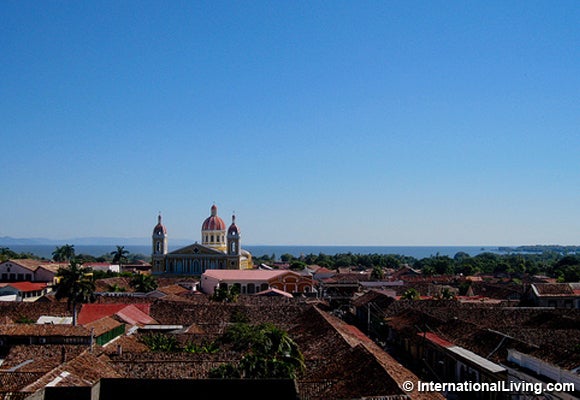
(219, 249)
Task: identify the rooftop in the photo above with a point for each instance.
(245, 275)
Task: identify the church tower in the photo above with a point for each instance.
(234, 239)
(159, 247)
(213, 231)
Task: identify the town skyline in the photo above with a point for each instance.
(388, 124)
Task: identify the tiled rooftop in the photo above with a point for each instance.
(42, 330)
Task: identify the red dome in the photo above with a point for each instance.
(159, 228)
(213, 222)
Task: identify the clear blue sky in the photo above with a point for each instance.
(318, 122)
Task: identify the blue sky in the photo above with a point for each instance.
(318, 122)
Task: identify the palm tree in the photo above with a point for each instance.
(75, 283)
(64, 253)
(279, 346)
(143, 283)
(120, 255)
(271, 353)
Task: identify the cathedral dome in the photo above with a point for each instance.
(213, 222)
(159, 228)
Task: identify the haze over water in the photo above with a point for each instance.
(413, 251)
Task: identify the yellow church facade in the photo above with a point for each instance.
(220, 248)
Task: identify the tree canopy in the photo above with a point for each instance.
(75, 284)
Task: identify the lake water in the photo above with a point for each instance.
(296, 251)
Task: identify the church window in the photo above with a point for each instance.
(212, 238)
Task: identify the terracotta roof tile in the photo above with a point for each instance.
(102, 325)
(43, 330)
(554, 289)
(84, 370)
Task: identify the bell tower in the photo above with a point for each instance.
(234, 239)
(159, 238)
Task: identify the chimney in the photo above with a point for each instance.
(119, 350)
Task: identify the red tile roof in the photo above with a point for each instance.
(25, 286)
(93, 312)
(433, 338)
(134, 316)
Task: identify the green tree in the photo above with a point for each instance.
(270, 353)
(226, 294)
(286, 257)
(7, 254)
(160, 342)
(120, 255)
(143, 283)
(64, 253)
(297, 265)
(446, 294)
(115, 288)
(377, 273)
(203, 348)
(75, 284)
(410, 294)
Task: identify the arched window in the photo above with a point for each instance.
(251, 288)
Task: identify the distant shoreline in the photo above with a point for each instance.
(45, 250)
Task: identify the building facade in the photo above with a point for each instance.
(28, 270)
(256, 281)
(220, 248)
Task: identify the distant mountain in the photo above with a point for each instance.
(7, 241)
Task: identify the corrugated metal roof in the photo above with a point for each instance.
(482, 362)
(462, 352)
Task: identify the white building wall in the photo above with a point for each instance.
(14, 272)
(44, 275)
(208, 284)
